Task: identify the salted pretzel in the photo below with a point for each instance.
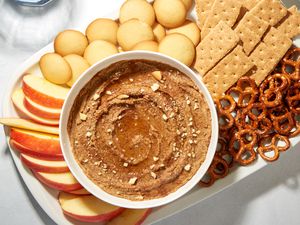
(258, 110)
(273, 147)
(245, 120)
(241, 146)
(291, 64)
(272, 88)
(225, 106)
(223, 152)
(282, 119)
(293, 98)
(245, 90)
(246, 82)
(245, 97)
(218, 169)
(264, 127)
(296, 130)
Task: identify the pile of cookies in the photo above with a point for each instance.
(160, 27)
(242, 38)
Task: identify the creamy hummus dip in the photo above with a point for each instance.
(140, 129)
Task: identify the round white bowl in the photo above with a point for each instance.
(75, 168)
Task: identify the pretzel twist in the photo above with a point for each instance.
(273, 147)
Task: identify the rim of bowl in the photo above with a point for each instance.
(76, 169)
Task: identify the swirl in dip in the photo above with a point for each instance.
(140, 129)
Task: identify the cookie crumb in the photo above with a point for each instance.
(153, 175)
(155, 87)
(187, 167)
(82, 116)
(132, 180)
(96, 97)
(157, 75)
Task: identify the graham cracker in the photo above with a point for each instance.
(250, 30)
(291, 25)
(217, 44)
(268, 53)
(202, 9)
(227, 72)
(249, 4)
(226, 10)
(272, 11)
(278, 42)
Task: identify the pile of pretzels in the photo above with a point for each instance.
(257, 120)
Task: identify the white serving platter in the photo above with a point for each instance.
(47, 197)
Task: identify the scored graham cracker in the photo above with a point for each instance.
(227, 72)
(272, 11)
(268, 53)
(226, 10)
(249, 4)
(290, 26)
(202, 9)
(217, 44)
(250, 30)
(278, 42)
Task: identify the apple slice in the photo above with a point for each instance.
(44, 92)
(41, 165)
(80, 192)
(130, 217)
(87, 208)
(18, 100)
(41, 111)
(27, 124)
(59, 181)
(42, 154)
(37, 142)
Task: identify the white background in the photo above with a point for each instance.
(270, 196)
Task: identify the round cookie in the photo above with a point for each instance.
(70, 42)
(170, 13)
(137, 9)
(189, 29)
(102, 29)
(147, 46)
(55, 69)
(98, 50)
(187, 4)
(159, 31)
(179, 47)
(132, 32)
(78, 65)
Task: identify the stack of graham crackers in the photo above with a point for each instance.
(246, 37)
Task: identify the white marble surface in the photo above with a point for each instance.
(270, 196)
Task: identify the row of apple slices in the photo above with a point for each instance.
(40, 100)
(42, 154)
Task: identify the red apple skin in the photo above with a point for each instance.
(144, 217)
(41, 98)
(41, 113)
(79, 192)
(57, 186)
(94, 219)
(50, 146)
(42, 154)
(138, 222)
(41, 168)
